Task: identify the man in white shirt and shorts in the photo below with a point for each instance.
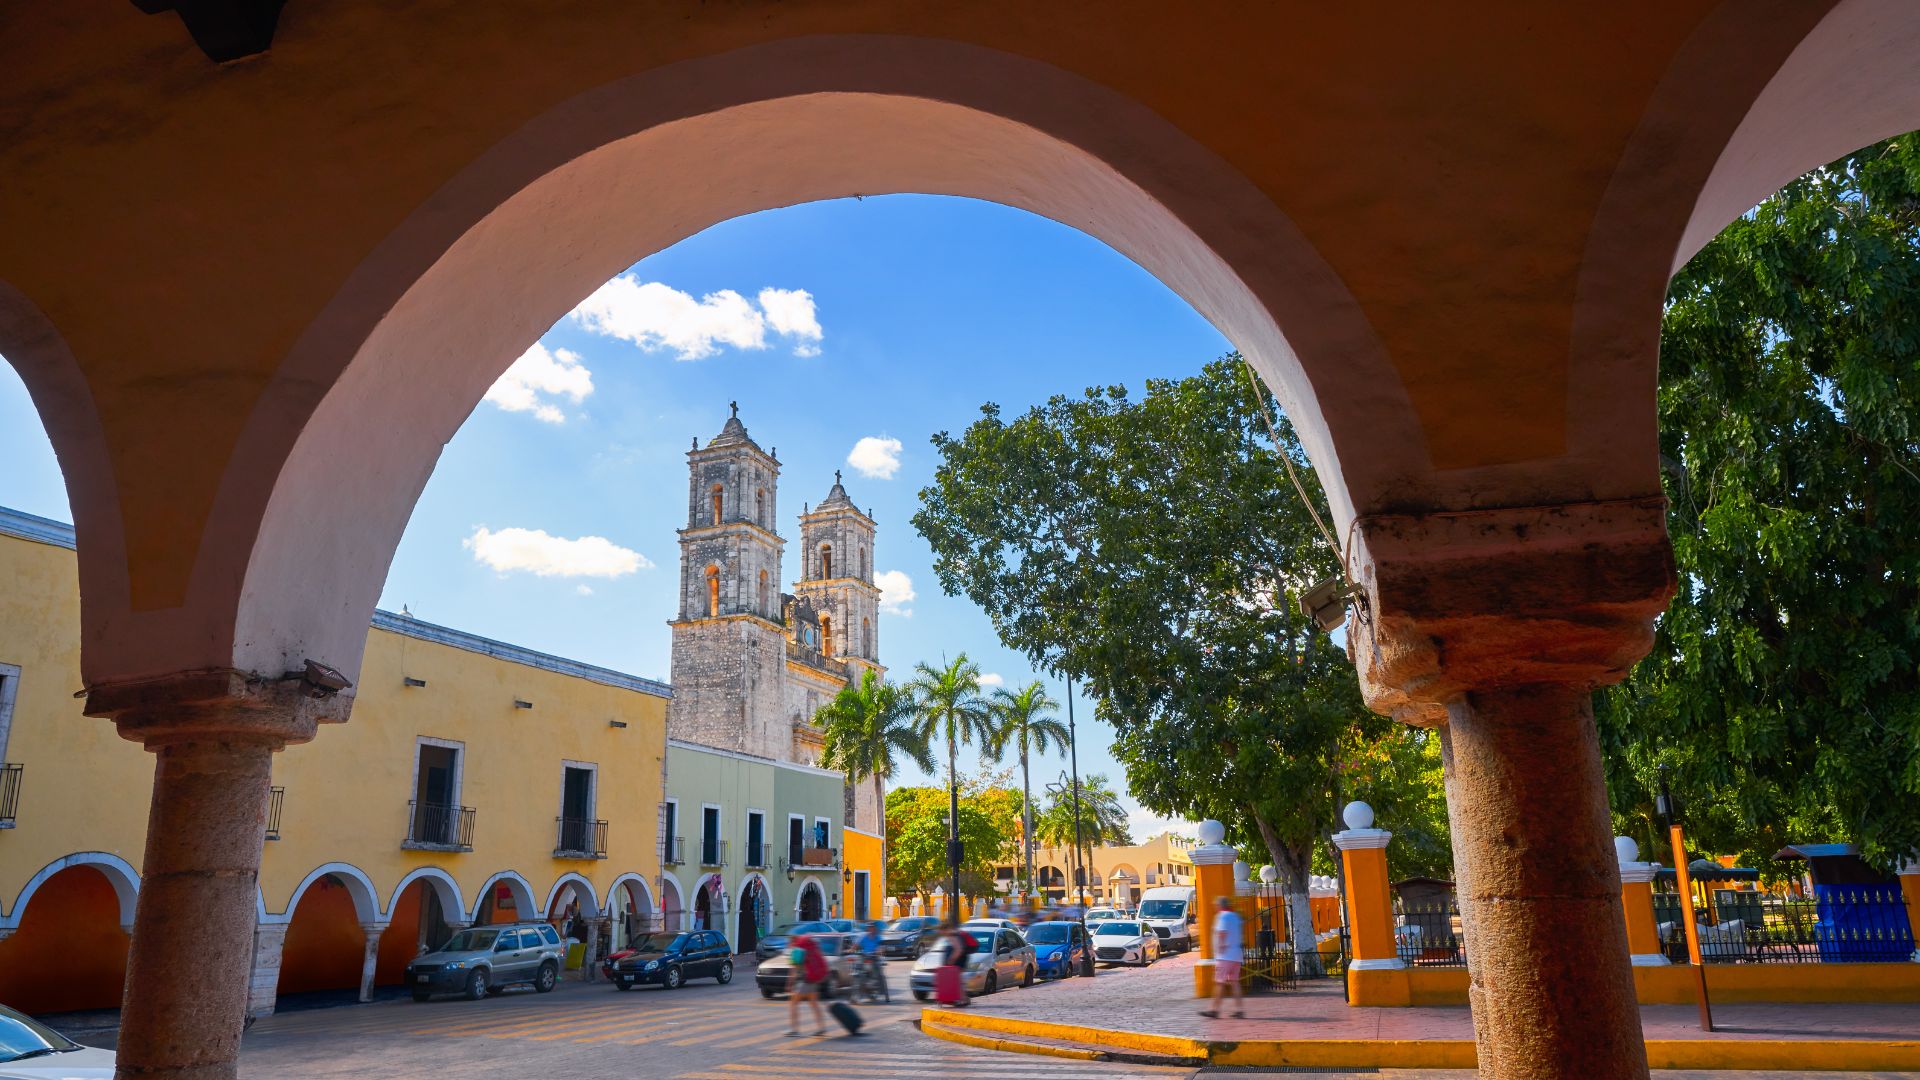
(1229, 952)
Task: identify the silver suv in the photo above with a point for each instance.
(484, 960)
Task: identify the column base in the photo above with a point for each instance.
(1649, 960)
(1395, 964)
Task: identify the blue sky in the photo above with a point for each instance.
(917, 309)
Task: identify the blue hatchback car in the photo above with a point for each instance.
(1058, 948)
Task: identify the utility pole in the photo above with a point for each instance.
(954, 851)
(1080, 872)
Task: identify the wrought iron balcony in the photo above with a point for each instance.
(581, 838)
(757, 856)
(275, 796)
(804, 857)
(438, 827)
(673, 851)
(713, 852)
(9, 793)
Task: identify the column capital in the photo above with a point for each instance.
(220, 703)
(1212, 854)
(1361, 839)
(373, 929)
(1635, 873)
(1462, 601)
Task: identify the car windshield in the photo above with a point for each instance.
(907, 925)
(474, 940)
(1117, 929)
(811, 928)
(24, 1037)
(1163, 909)
(844, 926)
(1053, 933)
(659, 943)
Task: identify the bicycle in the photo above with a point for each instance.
(870, 980)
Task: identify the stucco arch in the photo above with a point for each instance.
(118, 872)
(543, 218)
(366, 899)
(522, 894)
(581, 888)
(673, 902)
(648, 906)
(452, 904)
(800, 897)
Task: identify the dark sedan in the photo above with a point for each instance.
(909, 937)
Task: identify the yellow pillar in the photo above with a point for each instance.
(1910, 889)
(1212, 879)
(1376, 975)
(1636, 895)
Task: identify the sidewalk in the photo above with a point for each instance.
(1159, 1002)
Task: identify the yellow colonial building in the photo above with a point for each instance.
(477, 781)
(1119, 871)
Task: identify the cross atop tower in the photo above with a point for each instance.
(836, 476)
(735, 406)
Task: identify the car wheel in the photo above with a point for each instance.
(1027, 979)
(477, 984)
(422, 995)
(672, 979)
(920, 995)
(993, 983)
(725, 974)
(620, 984)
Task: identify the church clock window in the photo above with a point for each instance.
(713, 591)
(716, 493)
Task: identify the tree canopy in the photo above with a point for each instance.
(917, 833)
(1784, 686)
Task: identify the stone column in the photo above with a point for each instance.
(592, 947)
(213, 735)
(370, 961)
(1636, 896)
(263, 984)
(1496, 626)
(1213, 878)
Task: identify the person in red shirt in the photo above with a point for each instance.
(806, 974)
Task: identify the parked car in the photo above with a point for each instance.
(487, 959)
(669, 960)
(30, 1050)
(998, 958)
(990, 924)
(775, 943)
(775, 972)
(1101, 914)
(909, 937)
(1058, 948)
(1123, 941)
(1169, 911)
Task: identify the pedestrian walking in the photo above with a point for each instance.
(1229, 952)
(807, 972)
(949, 979)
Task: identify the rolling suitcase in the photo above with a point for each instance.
(946, 985)
(848, 1018)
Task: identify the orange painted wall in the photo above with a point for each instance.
(401, 942)
(325, 945)
(69, 952)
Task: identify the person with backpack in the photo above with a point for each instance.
(949, 979)
(807, 972)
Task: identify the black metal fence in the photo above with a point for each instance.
(1839, 924)
(275, 797)
(440, 826)
(1427, 935)
(581, 838)
(9, 793)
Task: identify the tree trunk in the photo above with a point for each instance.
(953, 826)
(1026, 815)
(1294, 861)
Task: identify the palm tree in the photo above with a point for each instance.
(1102, 819)
(1020, 722)
(867, 727)
(947, 702)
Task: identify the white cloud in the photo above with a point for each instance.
(896, 591)
(993, 678)
(876, 457)
(538, 377)
(542, 555)
(583, 590)
(655, 316)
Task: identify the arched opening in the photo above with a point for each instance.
(506, 897)
(755, 916)
(710, 904)
(760, 508)
(826, 636)
(325, 947)
(1052, 883)
(672, 907)
(811, 903)
(633, 910)
(572, 906)
(714, 497)
(417, 922)
(713, 592)
(866, 638)
(69, 949)
(765, 608)
(826, 560)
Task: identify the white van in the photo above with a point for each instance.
(1169, 911)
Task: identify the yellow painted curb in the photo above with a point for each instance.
(987, 1042)
(1817, 1055)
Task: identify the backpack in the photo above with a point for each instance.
(815, 968)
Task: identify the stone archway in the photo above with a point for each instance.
(811, 903)
(66, 949)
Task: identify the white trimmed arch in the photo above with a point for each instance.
(673, 900)
(366, 899)
(118, 871)
(452, 904)
(582, 889)
(522, 893)
(646, 892)
(800, 897)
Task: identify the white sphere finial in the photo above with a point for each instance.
(1212, 832)
(1241, 870)
(1358, 815)
(1625, 849)
(1269, 875)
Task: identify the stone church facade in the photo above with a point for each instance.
(752, 663)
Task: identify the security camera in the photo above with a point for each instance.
(323, 681)
(1326, 603)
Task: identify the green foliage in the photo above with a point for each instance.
(867, 726)
(917, 835)
(947, 702)
(1784, 686)
(1021, 722)
(1153, 548)
(1102, 819)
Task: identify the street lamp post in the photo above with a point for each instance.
(1080, 872)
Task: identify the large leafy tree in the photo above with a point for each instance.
(1784, 686)
(1022, 724)
(867, 727)
(917, 835)
(947, 702)
(1153, 548)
